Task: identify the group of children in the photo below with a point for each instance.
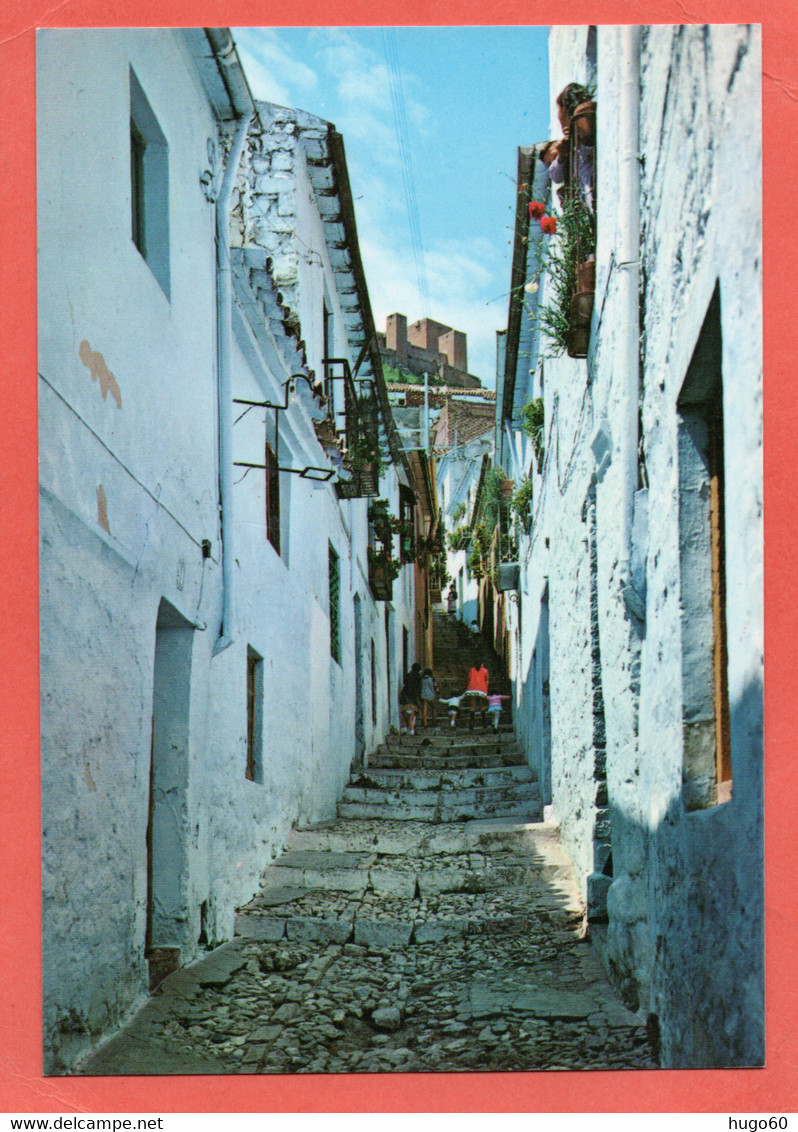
(419, 693)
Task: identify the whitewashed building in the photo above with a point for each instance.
(639, 635)
(213, 656)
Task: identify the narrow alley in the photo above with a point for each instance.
(434, 926)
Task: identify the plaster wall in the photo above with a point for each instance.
(554, 686)
(134, 382)
(685, 904)
(127, 497)
(706, 869)
(140, 423)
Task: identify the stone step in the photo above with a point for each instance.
(508, 837)
(529, 811)
(439, 764)
(443, 795)
(449, 778)
(395, 921)
(286, 883)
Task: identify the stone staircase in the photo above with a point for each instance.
(435, 924)
(427, 826)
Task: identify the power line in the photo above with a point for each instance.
(406, 158)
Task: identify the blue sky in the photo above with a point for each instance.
(472, 95)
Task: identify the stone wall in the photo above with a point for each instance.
(131, 557)
(685, 903)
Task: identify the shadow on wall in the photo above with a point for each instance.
(686, 916)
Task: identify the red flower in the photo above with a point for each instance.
(536, 209)
(549, 225)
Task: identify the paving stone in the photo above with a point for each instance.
(309, 929)
(372, 933)
(387, 1018)
(259, 927)
(425, 930)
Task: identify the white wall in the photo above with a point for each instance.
(685, 903)
(151, 443)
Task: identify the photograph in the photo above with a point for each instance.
(401, 549)
(396, 439)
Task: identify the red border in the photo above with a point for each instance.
(22, 1089)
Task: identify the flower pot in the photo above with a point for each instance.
(579, 324)
(380, 582)
(586, 276)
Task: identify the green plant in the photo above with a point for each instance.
(532, 419)
(521, 502)
(494, 499)
(480, 549)
(533, 424)
(574, 243)
(458, 512)
(459, 538)
(363, 451)
(382, 559)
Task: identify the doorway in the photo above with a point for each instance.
(167, 826)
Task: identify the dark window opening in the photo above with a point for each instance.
(272, 498)
(137, 148)
(334, 563)
(373, 687)
(407, 537)
(707, 771)
(254, 716)
(149, 186)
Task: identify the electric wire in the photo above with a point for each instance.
(406, 158)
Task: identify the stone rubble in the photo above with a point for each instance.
(481, 964)
(434, 926)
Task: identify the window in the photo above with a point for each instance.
(407, 506)
(373, 687)
(149, 185)
(335, 598)
(254, 768)
(272, 498)
(707, 772)
(326, 346)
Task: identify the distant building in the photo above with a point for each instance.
(427, 347)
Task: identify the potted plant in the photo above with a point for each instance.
(570, 278)
(383, 569)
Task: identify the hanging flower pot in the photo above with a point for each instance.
(581, 309)
(380, 581)
(579, 324)
(586, 276)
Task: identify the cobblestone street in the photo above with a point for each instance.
(440, 942)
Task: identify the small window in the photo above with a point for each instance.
(272, 498)
(149, 185)
(254, 768)
(335, 598)
(407, 507)
(373, 687)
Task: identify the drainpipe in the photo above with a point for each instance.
(628, 265)
(224, 346)
(426, 414)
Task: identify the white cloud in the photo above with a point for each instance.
(268, 64)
